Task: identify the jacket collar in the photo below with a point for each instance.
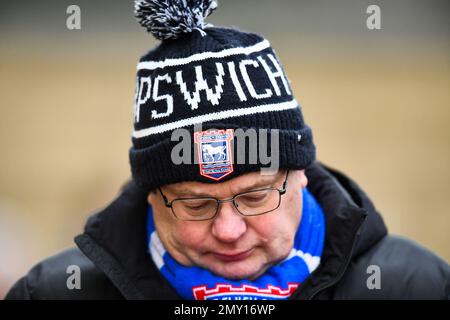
(114, 239)
(352, 227)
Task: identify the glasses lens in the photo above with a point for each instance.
(257, 202)
(194, 209)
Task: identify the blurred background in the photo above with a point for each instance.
(377, 100)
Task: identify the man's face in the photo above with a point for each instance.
(231, 245)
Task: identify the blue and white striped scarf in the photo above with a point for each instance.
(278, 282)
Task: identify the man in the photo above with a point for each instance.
(209, 214)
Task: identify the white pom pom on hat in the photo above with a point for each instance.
(169, 19)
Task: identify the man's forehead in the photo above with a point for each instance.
(237, 184)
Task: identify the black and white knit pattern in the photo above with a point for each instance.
(168, 19)
(227, 80)
(210, 86)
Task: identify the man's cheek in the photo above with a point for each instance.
(190, 237)
(267, 227)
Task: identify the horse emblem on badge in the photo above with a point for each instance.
(214, 153)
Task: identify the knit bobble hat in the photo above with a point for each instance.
(199, 90)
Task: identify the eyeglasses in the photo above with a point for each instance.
(249, 203)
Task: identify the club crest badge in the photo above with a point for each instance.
(214, 153)
(243, 292)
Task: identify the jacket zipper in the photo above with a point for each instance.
(344, 268)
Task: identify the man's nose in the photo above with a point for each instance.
(229, 225)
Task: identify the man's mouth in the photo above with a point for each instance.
(232, 257)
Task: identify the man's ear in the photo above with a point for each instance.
(151, 196)
(303, 179)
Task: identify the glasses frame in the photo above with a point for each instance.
(282, 191)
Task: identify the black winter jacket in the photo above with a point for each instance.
(112, 254)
